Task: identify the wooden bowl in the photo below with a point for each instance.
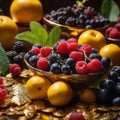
(75, 80)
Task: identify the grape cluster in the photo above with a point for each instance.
(109, 92)
(16, 55)
(76, 16)
(67, 57)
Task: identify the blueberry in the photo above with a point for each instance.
(105, 97)
(107, 84)
(53, 58)
(106, 62)
(33, 60)
(118, 89)
(117, 69)
(116, 101)
(71, 62)
(55, 68)
(95, 55)
(28, 55)
(65, 69)
(112, 75)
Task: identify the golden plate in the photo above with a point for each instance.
(68, 31)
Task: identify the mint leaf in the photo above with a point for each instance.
(28, 37)
(54, 36)
(4, 61)
(110, 10)
(38, 34)
(39, 31)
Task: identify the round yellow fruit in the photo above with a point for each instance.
(87, 96)
(24, 11)
(92, 37)
(8, 31)
(37, 87)
(59, 93)
(112, 51)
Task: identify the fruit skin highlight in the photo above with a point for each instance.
(24, 11)
(8, 30)
(92, 37)
(37, 87)
(59, 93)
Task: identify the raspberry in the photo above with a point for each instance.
(1, 80)
(86, 48)
(43, 63)
(45, 51)
(15, 69)
(107, 31)
(117, 25)
(36, 50)
(3, 94)
(114, 33)
(71, 40)
(62, 48)
(81, 67)
(73, 46)
(77, 55)
(2, 86)
(94, 65)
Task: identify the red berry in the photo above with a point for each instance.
(71, 40)
(62, 48)
(107, 31)
(81, 67)
(1, 80)
(3, 94)
(117, 25)
(45, 51)
(2, 86)
(76, 116)
(43, 63)
(73, 46)
(87, 48)
(94, 65)
(36, 50)
(114, 33)
(15, 69)
(77, 55)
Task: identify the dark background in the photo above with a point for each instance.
(54, 4)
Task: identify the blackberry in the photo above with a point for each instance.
(11, 55)
(19, 60)
(21, 46)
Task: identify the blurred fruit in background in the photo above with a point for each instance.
(24, 11)
(8, 30)
(92, 37)
(112, 51)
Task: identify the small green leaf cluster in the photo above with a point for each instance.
(39, 35)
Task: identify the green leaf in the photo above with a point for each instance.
(110, 10)
(38, 30)
(28, 37)
(38, 34)
(4, 61)
(54, 36)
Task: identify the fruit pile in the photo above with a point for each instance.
(109, 92)
(114, 31)
(76, 16)
(67, 57)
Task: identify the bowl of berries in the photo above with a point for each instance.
(112, 34)
(75, 19)
(79, 65)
